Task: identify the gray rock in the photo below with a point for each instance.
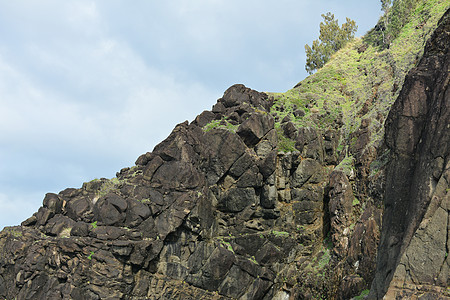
(236, 199)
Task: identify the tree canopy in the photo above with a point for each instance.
(331, 39)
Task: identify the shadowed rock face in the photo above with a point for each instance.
(413, 252)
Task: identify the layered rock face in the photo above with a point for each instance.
(413, 255)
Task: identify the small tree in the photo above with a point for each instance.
(331, 39)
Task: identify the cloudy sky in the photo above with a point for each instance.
(88, 86)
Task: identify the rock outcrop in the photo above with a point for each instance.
(413, 254)
(215, 211)
(261, 198)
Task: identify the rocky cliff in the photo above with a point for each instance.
(300, 195)
(413, 254)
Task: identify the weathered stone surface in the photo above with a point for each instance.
(308, 170)
(269, 196)
(236, 199)
(110, 209)
(255, 128)
(152, 166)
(222, 150)
(268, 164)
(241, 165)
(340, 208)
(204, 118)
(43, 215)
(290, 130)
(177, 175)
(416, 132)
(53, 202)
(59, 225)
(214, 270)
(309, 143)
(77, 208)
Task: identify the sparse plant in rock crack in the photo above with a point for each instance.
(94, 225)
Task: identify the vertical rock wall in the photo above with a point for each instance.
(413, 253)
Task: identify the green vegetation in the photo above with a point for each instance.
(90, 255)
(145, 201)
(362, 295)
(360, 81)
(103, 186)
(13, 231)
(224, 242)
(94, 225)
(280, 233)
(224, 124)
(253, 260)
(346, 165)
(397, 13)
(285, 144)
(331, 39)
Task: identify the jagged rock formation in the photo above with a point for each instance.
(413, 255)
(215, 211)
(250, 201)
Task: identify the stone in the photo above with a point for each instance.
(235, 283)
(110, 209)
(340, 210)
(136, 213)
(234, 96)
(289, 130)
(268, 196)
(53, 202)
(351, 286)
(144, 159)
(80, 229)
(268, 164)
(241, 165)
(305, 172)
(255, 128)
(236, 199)
(416, 132)
(204, 118)
(309, 143)
(59, 225)
(77, 208)
(177, 175)
(152, 166)
(222, 149)
(267, 254)
(214, 271)
(43, 215)
(250, 178)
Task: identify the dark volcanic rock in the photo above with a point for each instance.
(418, 136)
(255, 128)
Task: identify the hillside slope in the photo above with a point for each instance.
(269, 196)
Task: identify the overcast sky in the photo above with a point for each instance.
(88, 86)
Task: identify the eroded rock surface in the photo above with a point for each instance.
(216, 211)
(413, 253)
